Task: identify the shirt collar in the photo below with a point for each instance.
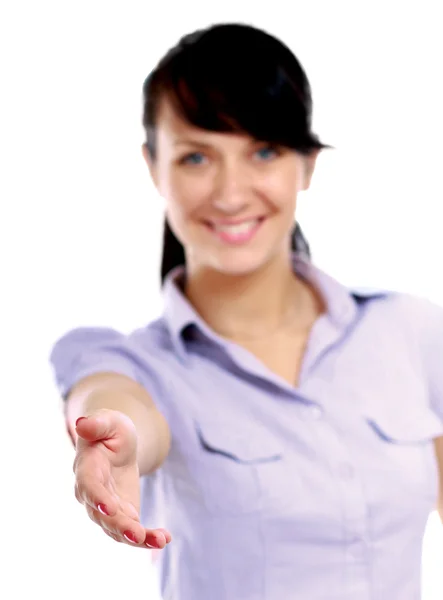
(342, 304)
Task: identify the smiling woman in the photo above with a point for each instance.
(257, 92)
(289, 421)
(230, 198)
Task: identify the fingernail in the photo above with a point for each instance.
(103, 509)
(78, 420)
(149, 546)
(130, 537)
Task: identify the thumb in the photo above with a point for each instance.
(96, 428)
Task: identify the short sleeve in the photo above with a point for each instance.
(87, 351)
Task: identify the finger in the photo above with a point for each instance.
(95, 516)
(128, 509)
(166, 533)
(95, 428)
(120, 528)
(157, 538)
(77, 493)
(92, 492)
(113, 429)
(113, 536)
(118, 539)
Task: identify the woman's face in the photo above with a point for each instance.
(230, 199)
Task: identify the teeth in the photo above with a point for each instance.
(237, 229)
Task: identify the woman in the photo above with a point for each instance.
(285, 428)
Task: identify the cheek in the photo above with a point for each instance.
(184, 195)
(282, 188)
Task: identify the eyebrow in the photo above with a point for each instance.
(185, 142)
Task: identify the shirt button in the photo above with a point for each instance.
(346, 471)
(357, 548)
(316, 412)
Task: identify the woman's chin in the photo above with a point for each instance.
(239, 266)
(236, 262)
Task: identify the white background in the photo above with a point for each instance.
(80, 222)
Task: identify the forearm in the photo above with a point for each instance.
(113, 392)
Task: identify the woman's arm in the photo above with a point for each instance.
(438, 444)
(120, 393)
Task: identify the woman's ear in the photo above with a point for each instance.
(150, 162)
(310, 161)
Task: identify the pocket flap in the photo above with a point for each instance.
(405, 427)
(249, 445)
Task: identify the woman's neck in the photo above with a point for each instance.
(251, 306)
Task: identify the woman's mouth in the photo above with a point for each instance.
(235, 233)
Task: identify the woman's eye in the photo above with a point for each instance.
(266, 153)
(196, 158)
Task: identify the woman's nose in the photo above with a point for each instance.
(230, 204)
(232, 190)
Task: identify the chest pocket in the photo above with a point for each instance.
(405, 439)
(239, 467)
